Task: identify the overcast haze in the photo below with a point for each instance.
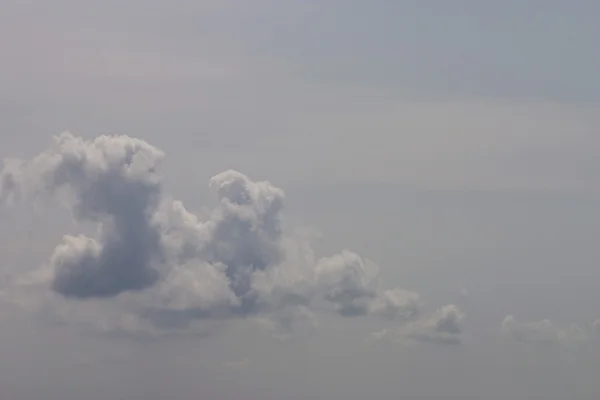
(299, 199)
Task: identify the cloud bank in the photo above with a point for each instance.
(168, 267)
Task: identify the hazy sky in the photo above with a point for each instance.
(302, 199)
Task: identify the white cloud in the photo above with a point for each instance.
(444, 326)
(159, 266)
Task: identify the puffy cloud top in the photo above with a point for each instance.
(176, 267)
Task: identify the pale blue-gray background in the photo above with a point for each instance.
(455, 143)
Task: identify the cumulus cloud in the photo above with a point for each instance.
(542, 331)
(170, 267)
(349, 282)
(444, 326)
(109, 180)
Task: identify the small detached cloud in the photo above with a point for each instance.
(542, 331)
(155, 265)
(238, 364)
(379, 335)
(444, 326)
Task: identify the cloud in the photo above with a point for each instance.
(167, 267)
(9, 178)
(287, 322)
(348, 282)
(444, 326)
(239, 364)
(109, 180)
(542, 331)
(380, 335)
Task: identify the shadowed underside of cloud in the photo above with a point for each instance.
(162, 263)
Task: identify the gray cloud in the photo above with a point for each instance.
(110, 180)
(164, 264)
(239, 364)
(542, 331)
(9, 170)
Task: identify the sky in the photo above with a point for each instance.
(299, 199)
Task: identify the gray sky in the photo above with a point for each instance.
(453, 144)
